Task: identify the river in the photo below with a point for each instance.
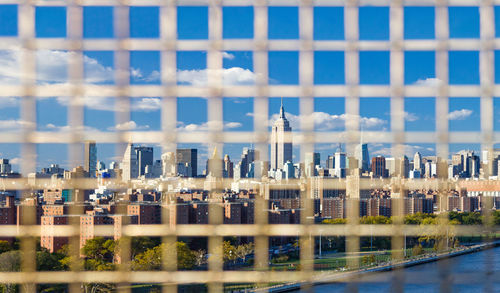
(467, 273)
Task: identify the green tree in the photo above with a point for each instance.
(417, 250)
(229, 252)
(375, 220)
(46, 261)
(496, 217)
(10, 261)
(99, 254)
(243, 250)
(368, 259)
(200, 257)
(151, 259)
(335, 221)
(5, 246)
(141, 244)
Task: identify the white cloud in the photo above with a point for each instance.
(230, 76)
(411, 117)
(9, 102)
(227, 55)
(409, 151)
(371, 122)
(146, 104)
(129, 125)
(324, 121)
(459, 114)
(432, 82)
(108, 104)
(14, 124)
(232, 125)
(206, 126)
(15, 161)
(51, 67)
(67, 128)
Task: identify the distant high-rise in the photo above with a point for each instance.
(378, 167)
(5, 167)
(404, 168)
(90, 158)
(340, 163)
(311, 161)
(330, 162)
(281, 141)
(228, 167)
(144, 158)
(188, 158)
(129, 166)
(215, 165)
(361, 153)
(169, 164)
(417, 161)
(247, 157)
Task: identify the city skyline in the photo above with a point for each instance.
(329, 113)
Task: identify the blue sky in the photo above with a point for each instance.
(50, 22)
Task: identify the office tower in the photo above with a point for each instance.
(417, 161)
(215, 165)
(281, 141)
(90, 157)
(169, 164)
(378, 167)
(100, 166)
(129, 166)
(113, 165)
(5, 167)
(330, 162)
(311, 161)
(289, 170)
(188, 158)
(228, 167)
(340, 163)
(352, 163)
(405, 167)
(390, 164)
(475, 165)
(144, 158)
(247, 157)
(361, 153)
(428, 169)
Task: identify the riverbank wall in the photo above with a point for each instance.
(346, 276)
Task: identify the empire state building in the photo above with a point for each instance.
(281, 141)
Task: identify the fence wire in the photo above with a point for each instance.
(260, 45)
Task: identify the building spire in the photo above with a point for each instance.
(282, 110)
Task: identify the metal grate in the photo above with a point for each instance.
(214, 91)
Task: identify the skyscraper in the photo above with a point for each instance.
(417, 161)
(129, 166)
(361, 153)
(144, 158)
(310, 162)
(215, 165)
(330, 162)
(228, 167)
(247, 157)
(378, 167)
(188, 158)
(90, 157)
(340, 163)
(281, 141)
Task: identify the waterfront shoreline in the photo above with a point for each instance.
(330, 277)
